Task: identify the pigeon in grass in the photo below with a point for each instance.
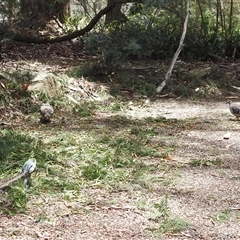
(46, 111)
(28, 167)
(234, 108)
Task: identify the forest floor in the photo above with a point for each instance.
(190, 192)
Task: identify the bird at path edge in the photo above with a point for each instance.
(234, 108)
(46, 111)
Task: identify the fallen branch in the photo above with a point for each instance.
(9, 181)
(180, 47)
(48, 39)
(238, 88)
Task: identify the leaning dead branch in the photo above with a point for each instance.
(7, 182)
(180, 47)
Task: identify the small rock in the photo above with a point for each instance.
(227, 135)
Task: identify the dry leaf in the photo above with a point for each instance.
(169, 157)
(25, 86)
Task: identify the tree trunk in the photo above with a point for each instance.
(37, 13)
(115, 14)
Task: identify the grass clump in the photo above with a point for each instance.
(132, 147)
(166, 222)
(84, 109)
(16, 201)
(223, 216)
(205, 162)
(226, 215)
(93, 171)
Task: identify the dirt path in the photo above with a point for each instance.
(207, 196)
(203, 193)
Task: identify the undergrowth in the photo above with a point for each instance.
(187, 81)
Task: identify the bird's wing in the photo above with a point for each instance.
(235, 109)
(29, 166)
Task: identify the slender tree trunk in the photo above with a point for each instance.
(217, 18)
(230, 18)
(221, 16)
(197, 15)
(203, 25)
(115, 14)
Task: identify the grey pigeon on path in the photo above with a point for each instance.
(234, 108)
(46, 111)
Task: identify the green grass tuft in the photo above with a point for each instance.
(166, 222)
(205, 162)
